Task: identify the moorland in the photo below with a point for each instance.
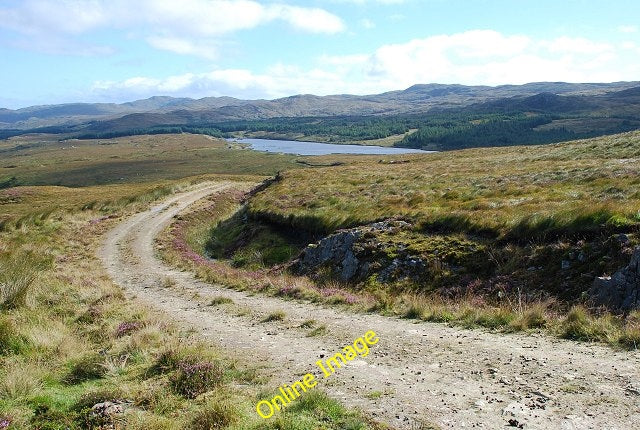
(507, 237)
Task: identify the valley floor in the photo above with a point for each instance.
(417, 376)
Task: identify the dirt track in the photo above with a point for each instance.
(425, 371)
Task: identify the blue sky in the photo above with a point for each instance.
(56, 51)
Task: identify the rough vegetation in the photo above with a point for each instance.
(500, 306)
(76, 354)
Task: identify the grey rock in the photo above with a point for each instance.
(622, 290)
(565, 264)
(340, 251)
(105, 415)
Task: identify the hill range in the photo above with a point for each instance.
(444, 116)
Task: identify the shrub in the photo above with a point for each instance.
(5, 422)
(18, 272)
(193, 378)
(46, 418)
(128, 327)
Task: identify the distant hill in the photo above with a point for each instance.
(430, 116)
(162, 110)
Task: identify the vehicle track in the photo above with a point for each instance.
(417, 373)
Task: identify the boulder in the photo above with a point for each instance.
(106, 415)
(338, 250)
(621, 291)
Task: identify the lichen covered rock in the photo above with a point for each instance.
(389, 251)
(621, 290)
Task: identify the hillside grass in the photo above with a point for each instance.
(70, 338)
(514, 193)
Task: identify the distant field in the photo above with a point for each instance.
(43, 160)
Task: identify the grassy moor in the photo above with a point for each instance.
(327, 215)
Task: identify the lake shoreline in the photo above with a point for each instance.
(306, 148)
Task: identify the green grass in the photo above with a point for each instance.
(490, 219)
(252, 245)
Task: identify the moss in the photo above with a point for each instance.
(251, 244)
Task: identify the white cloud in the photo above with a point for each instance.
(489, 57)
(177, 26)
(474, 58)
(185, 46)
(367, 23)
(578, 45)
(278, 81)
(628, 29)
(308, 19)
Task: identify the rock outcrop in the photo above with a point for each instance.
(340, 252)
(622, 290)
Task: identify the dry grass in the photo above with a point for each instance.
(18, 273)
(522, 191)
(20, 380)
(278, 315)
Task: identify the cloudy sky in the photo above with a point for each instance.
(55, 51)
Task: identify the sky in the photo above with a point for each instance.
(61, 51)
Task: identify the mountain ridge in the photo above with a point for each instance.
(419, 98)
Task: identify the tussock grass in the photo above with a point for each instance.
(86, 367)
(18, 274)
(580, 324)
(11, 340)
(220, 300)
(20, 380)
(308, 324)
(533, 317)
(217, 413)
(278, 315)
(318, 331)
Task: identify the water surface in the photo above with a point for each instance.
(316, 148)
